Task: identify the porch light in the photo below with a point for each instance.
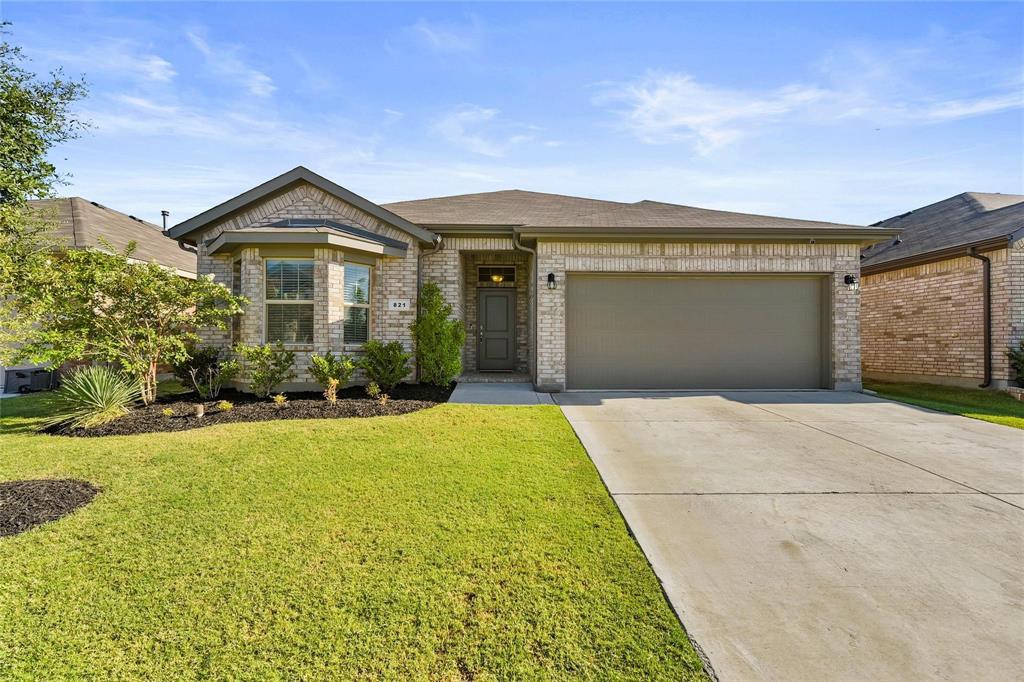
(851, 282)
(497, 278)
(551, 280)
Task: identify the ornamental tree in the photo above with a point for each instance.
(103, 306)
(35, 115)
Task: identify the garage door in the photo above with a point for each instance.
(715, 332)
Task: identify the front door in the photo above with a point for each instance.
(496, 319)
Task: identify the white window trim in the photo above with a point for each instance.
(277, 301)
(358, 345)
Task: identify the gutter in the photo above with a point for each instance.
(532, 303)
(986, 274)
(941, 254)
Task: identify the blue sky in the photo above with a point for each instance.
(844, 112)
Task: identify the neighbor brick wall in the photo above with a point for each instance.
(562, 258)
(926, 322)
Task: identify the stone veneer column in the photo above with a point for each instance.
(253, 289)
(328, 300)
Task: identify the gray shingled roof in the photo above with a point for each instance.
(959, 221)
(80, 224)
(539, 210)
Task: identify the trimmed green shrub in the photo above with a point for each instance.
(439, 339)
(385, 364)
(92, 396)
(326, 367)
(1016, 356)
(269, 365)
(206, 372)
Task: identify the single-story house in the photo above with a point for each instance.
(82, 224)
(566, 292)
(944, 301)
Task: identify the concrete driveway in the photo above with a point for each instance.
(813, 535)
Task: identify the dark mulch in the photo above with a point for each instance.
(352, 402)
(26, 504)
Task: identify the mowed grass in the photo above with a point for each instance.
(460, 542)
(991, 406)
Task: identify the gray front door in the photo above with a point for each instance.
(496, 319)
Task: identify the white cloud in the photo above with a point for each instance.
(468, 126)
(224, 61)
(918, 83)
(116, 57)
(665, 107)
(449, 37)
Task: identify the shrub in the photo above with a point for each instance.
(280, 400)
(331, 392)
(385, 364)
(326, 368)
(269, 366)
(439, 339)
(206, 372)
(92, 396)
(373, 390)
(225, 406)
(1016, 356)
(168, 412)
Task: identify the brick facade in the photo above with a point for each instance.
(392, 277)
(563, 258)
(926, 322)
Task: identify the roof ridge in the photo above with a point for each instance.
(508, 191)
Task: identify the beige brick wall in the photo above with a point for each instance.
(392, 277)
(926, 322)
(563, 258)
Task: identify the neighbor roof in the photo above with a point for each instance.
(81, 223)
(959, 222)
(537, 210)
(283, 182)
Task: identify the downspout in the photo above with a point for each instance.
(532, 308)
(438, 245)
(986, 275)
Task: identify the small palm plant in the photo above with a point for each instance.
(92, 396)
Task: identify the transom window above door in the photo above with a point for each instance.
(496, 274)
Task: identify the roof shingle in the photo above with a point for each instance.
(81, 223)
(960, 220)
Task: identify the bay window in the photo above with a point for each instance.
(289, 301)
(357, 303)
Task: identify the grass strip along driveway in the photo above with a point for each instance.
(459, 542)
(991, 406)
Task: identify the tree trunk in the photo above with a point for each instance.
(149, 384)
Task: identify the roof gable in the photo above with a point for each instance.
(186, 230)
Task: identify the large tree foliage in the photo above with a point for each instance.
(93, 305)
(35, 115)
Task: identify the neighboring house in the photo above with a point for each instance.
(566, 292)
(80, 224)
(944, 301)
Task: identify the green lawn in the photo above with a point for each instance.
(460, 542)
(991, 406)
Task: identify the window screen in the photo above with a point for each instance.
(289, 298)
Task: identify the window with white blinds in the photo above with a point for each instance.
(289, 301)
(357, 303)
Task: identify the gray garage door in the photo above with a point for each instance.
(717, 331)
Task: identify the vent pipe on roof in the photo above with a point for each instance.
(164, 214)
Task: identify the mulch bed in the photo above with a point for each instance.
(352, 402)
(26, 504)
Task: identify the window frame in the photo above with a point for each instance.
(267, 302)
(345, 305)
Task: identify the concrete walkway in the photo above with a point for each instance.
(820, 535)
(499, 394)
